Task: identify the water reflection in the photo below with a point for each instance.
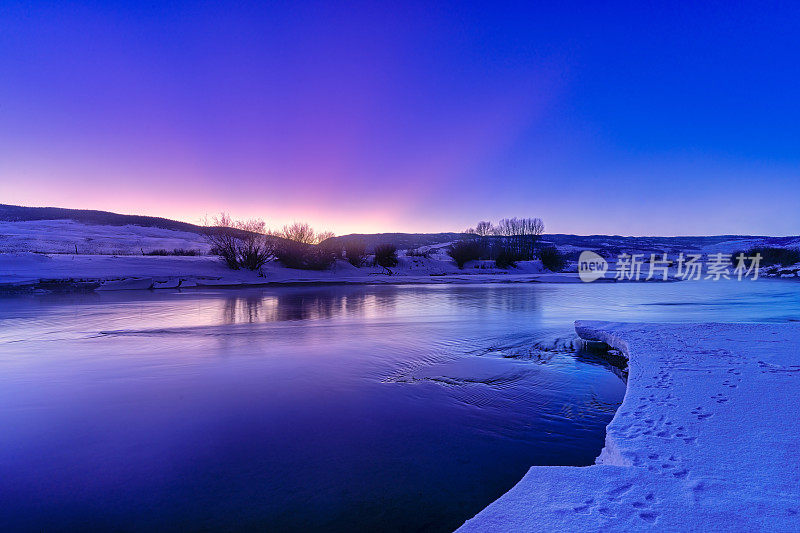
(249, 307)
(305, 304)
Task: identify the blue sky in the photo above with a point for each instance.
(623, 118)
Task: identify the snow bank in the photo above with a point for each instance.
(23, 269)
(127, 284)
(706, 439)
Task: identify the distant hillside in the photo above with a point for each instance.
(613, 245)
(17, 213)
(607, 245)
(60, 230)
(403, 241)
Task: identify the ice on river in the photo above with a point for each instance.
(706, 439)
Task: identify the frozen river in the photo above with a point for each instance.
(328, 408)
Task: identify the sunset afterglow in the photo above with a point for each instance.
(363, 119)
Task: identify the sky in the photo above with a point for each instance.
(677, 118)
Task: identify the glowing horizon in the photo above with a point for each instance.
(417, 119)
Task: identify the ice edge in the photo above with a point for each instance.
(704, 439)
(591, 331)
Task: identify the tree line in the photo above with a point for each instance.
(250, 244)
(509, 241)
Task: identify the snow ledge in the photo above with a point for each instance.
(706, 438)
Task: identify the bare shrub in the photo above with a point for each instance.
(770, 255)
(356, 252)
(464, 251)
(239, 243)
(253, 249)
(323, 236)
(552, 259)
(176, 251)
(303, 256)
(506, 258)
(186, 252)
(418, 252)
(386, 255)
(299, 232)
(304, 233)
(221, 235)
(334, 247)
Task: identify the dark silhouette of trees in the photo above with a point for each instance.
(239, 243)
(552, 259)
(323, 236)
(511, 240)
(355, 250)
(304, 256)
(303, 232)
(520, 236)
(483, 228)
(386, 255)
(299, 232)
(466, 250)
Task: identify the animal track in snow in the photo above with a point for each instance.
(720, 398)
(612, 503)
(615, 493)
(646, 512)
(700, 415)
(584, 508)
(730, 384)
(777, 369)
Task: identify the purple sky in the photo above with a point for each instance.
(360, 117)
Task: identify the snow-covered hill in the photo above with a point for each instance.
(70, 237)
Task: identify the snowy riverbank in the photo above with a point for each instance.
(31, 271)
(65, 255)
(705, 439)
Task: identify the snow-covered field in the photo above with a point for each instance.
(29, 270)
(70, 237)
(66, 250)
(111, 257)
(706, 439)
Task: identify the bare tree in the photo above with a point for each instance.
(483, 228)
(322, 236)
(538, 228)
(532, 226)
(239, 243)
(221, 235)
(254, 248)
(506, 227)
(521, 235)
(519, 226)
(299, 232)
